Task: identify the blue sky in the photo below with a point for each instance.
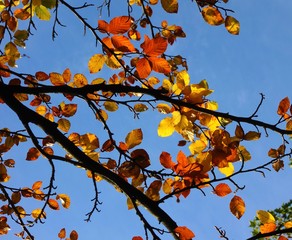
(238, 68)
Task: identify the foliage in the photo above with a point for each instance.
(279, 218)
(143, 76)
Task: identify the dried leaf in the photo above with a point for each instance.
(237, 206)
(33, 154)
(170, 6)
(134, 138)
(265, 217)
(212, 16)
(96, 63)
(62, 233)
(232, 25)
(64, 124)
(65, 200)
(284, 106)
(222, 190)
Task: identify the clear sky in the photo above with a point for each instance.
(238, 68)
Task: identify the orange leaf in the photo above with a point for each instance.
(65, 200)
(184, 233)
(66, 75)
(282, 238)
(57, 79)
(122, 43)
(160, 65)
(68, 110)
(38, 213)
(103, 26)
(165, 160)
(62, 233)
(154, 47)
(80, 80)
(212, 16)
(64, 124)
(120, 25)
(73, 235)
(41, 76)
(53, 204)
(268, 227)
(222, 190)
(143, 68)
(134, 138)
(37, 185)
(32, 154)
(284, 106)
(237, 206)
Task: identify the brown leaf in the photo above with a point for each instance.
(284, 106)
(62, 233)
(278, 164)
(170, 6)
(65, 200)
(166, 160)
(141, 158)
(222, 190)
(237, 206)
(53, 204)
(73, 235)
(33, 154)
(134, 138)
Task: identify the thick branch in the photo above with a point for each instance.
(157, 94)
(262, 235)
(27, 115)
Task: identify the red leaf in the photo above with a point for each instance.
(137, 238)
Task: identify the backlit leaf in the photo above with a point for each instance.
(170, 6)
(53, 204)
(232, 25)
(64, 124)
(184, 233)
(89, 141)
(160, 65)
(167, 186)
(212, 16)
(141, 158)
(140, 107)
(288, 224)
(120, 25)
(38, 213)
(137, 238)
(41, 109)
(265, 217)
(111, 106)
(65, 200)
(134, 138)
(165, 127)
(154, 47)
(96, 63)
(37, 185)
(16, 197)
(122, 43)
(237, 206)
(252, 135)
(166, 160)
(284, 106)
(227, 171)
(62, 233)
(268, 227)
(33, 154)
(42, 13)
(80, 80)
(143, 68)
(73, 235)
(222, 189)
(68, 110)
(57, 79)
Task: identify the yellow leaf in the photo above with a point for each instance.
(57, 79)
(265, 217)
(41, 109)
(111, 106)
(170, 6)
(197, 146)
(167, 186)
(38, 213)
(96, 63)
(163, 108)
(89, 141)
(134, 138)
(140, 107)
(232, 25)
(288, 224)
(64, 124)
(227, 171)
(112, 62)
(65, 200)
(237, 206)
(42, 13)
(212, 16)
(80, 80)
(165, 127)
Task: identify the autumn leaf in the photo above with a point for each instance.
(68, 110)
(64, 124)
(53, 204)
(265, 217)
(62, 233)
(73, 235)
(16, 197)
(184, 233)
(140, 107)
(252, 135)
(170, 6)
(42, 13)
(134, 138)
(166, 127)
(33, 154)
(160, 65)
(166, 160)
(141, 158)
(122, 43)
(284, 106)
(268, 227)
(222, 189)
(37, 185)
(80, 80)
(237, 206)
(212, 16)
(57, 79)
(143, 68)
(96, 63)
(111, 106)
(232, 25)
(154, 47)
(120, 25)
(38, 213)
(137, 238)
(65, 200)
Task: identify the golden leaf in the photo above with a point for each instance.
(165, 127)
(96, 63)
(232, 25)
(38, 213)
(237, 206)
(80, 80)
(134, 138)
(170, 6)
(222, 189)
(111, 106)
(65, 200)
(53, 204)
(265, 217)
(212, 16)
(64, 124)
